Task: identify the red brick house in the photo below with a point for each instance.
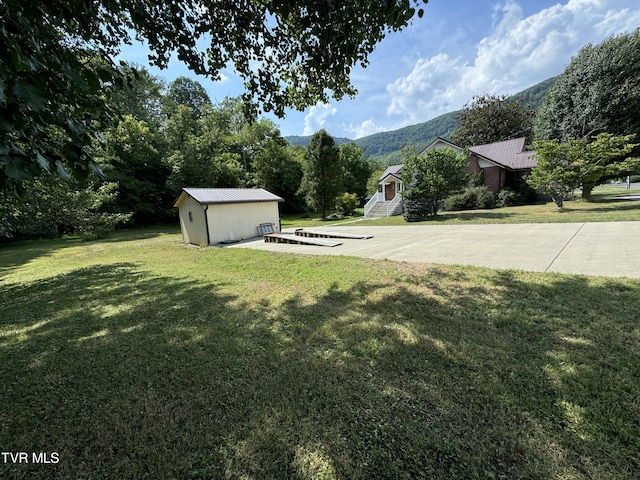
(501, 164)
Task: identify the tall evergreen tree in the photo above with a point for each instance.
(322, 181)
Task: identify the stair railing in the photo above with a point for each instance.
(393, 204)
(372, 201)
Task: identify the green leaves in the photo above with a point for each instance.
(578, 163)
(430, 178)
(598, 91)
(492, 118)
(322, 181)
(58, 61)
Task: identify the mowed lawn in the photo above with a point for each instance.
(136, 357)
(608, 204)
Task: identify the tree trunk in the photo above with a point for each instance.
(586, 191)
(559, 200)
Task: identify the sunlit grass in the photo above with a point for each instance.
(137, 357)
(604, 207)
(308, 220)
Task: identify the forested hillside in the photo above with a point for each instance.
(385, 143)
(385, 147)
(304, 141)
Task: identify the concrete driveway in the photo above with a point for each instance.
(607, 249)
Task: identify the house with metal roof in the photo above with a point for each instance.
(500, 164)
(222, 215)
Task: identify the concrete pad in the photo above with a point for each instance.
(608, 249)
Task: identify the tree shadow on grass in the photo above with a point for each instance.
(611, 206)
(421, 373)
(142, 233)
(15, 254)
(470, 216)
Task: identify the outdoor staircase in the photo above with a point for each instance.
(380, 210)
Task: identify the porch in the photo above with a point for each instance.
(388, 200)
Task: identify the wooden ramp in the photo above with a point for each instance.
(308, 233)
(295, 239)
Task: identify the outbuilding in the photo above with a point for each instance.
(218, 215)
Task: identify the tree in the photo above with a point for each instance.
(140, 94)
(135, 156)
(51, 206)
(201, 156)
(355, 170)
(372, 183)
(565, 166)
(599, 91)
(492, 118)
(188, 92)
(322, 180)
(429, 179)
(289, 54)
(278, 169)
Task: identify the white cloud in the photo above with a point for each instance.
(519, 52)
(316, 119)
(433, 86)
(368, 127)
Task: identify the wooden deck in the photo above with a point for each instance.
(296, 239)
(309, 233)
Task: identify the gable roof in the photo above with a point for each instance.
(503, 153)
(211, 196)
(393, 170)
(508, 154)
(440, 142)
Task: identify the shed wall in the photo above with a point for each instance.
(193, 228)
(237, 221)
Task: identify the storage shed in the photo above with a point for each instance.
(217, 215)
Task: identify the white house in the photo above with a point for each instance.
(217, 215)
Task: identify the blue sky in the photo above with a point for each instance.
(460, 48)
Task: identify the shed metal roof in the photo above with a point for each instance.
(210, 196)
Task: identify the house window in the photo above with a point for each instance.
(191, 217)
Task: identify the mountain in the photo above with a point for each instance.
(386, 146)
(420, 135)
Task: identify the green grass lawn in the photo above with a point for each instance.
(606, 206)
(303, 220)
(137, 357)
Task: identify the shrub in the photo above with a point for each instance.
(471, 199)
(507, 198)
(522, 195)
(527, 193)
(416, 208)
(484, 198)
(347, 203)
